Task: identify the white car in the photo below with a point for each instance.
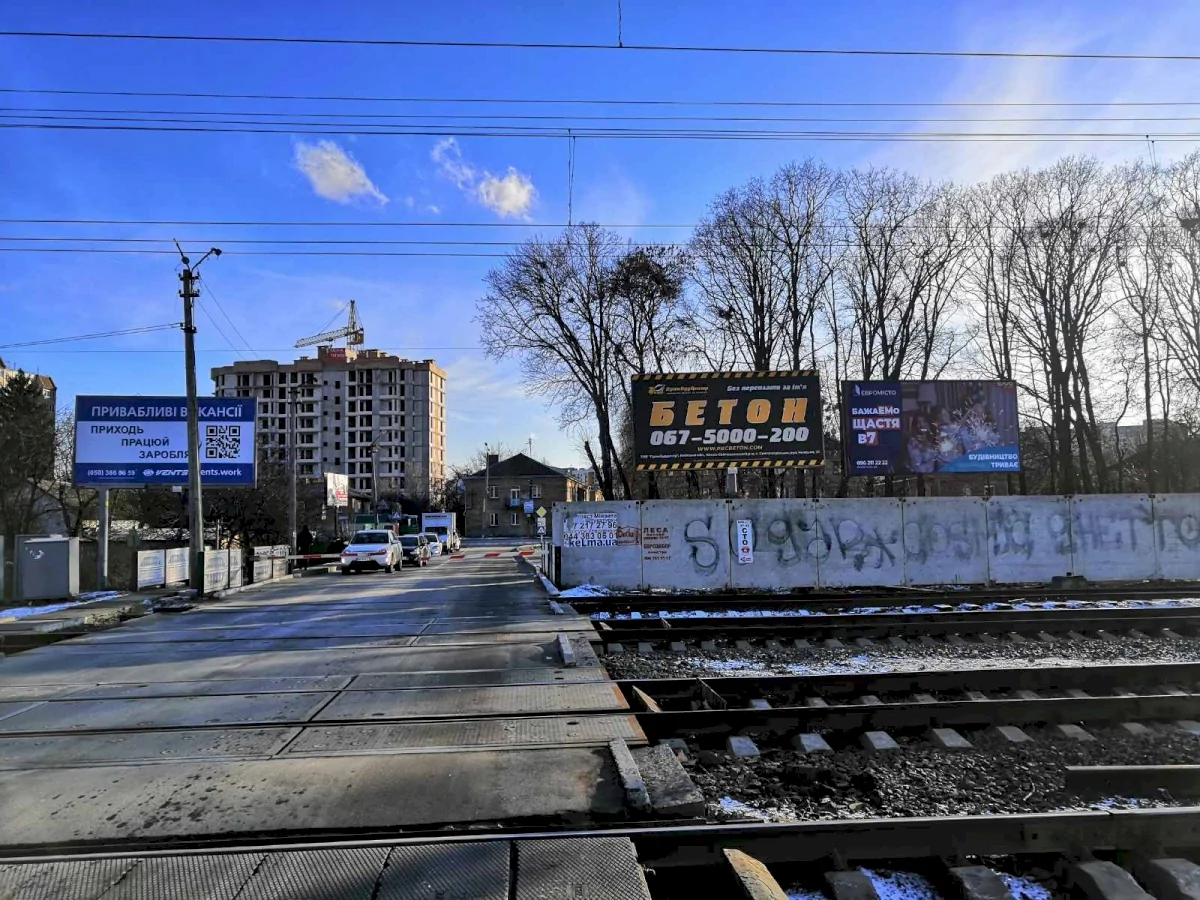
(371, 550)
(435, 542)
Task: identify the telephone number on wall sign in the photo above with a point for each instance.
(673, 437)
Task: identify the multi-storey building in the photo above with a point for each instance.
(45, 382)
(359, 413)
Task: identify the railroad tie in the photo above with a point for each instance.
(1103, 880)
(755, 880)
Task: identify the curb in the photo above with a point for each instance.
(548, 585)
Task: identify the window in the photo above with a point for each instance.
(351, 468)
(514, 493)
(337, 445)
(512, 518)
(352, 406)
(337, 415)
(351, 421)
(337, 429)
(281, 394)
(535, 492)
(243, 380)
(337, 460)
(493, 519)
(493, 492)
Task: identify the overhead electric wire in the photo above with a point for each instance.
(188, 223)
(517, 131)
(577, 45)
(120, 332)
(592, 101)
(208, 291)
(220, 331)
(70, 114)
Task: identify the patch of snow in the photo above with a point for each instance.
(901, 886)
(968, 607)
(586, 590)
(1121, 803)
(101, 595)
(601, 615)
(1022, 888)
(800, 893)
(23, 612)
(731, 807)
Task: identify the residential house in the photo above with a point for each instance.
(502, 498)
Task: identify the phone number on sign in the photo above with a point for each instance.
(675, 437)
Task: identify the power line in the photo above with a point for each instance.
(414, 350)
(143, 329)
(221, 310)
(184, 223)
(220, 331)
(563, 45)
(590, 101)
(73, 114)
(517, 131)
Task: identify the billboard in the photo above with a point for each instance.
(929, 427)
(337, 489)
(705, 420)
(138, 441)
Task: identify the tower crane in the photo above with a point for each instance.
(352, 331)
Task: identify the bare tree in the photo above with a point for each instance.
(549, 304)
(75, 504)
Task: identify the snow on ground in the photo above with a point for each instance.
(758, 612)
(853, 666)
(23, 612)
(1023, 888)
(901, 886)
(586, 590)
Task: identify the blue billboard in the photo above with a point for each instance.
(139, 441)
(930, 427)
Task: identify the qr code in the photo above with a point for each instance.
(222, 441)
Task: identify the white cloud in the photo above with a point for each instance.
(433, 209)
(509, 196)
(409, 202)
(334, 174)
(448, 155)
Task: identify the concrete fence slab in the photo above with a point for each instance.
(685, 544)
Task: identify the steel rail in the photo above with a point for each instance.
(873, 625)
(666, 845)
(816, 598)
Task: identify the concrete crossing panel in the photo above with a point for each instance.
(453, 702)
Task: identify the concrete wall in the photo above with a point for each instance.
(601, 542)
(685, 544)
(879, 542)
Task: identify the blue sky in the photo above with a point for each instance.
(423, 307)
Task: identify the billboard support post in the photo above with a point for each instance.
(104, 514)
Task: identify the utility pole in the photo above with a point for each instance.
(292, 454)
(189, 277)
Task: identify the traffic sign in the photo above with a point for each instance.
(541, 511)
(541, 528)
(396, 517)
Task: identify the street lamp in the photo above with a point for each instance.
(487, 471)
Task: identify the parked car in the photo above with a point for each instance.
(371, 550)
(415, 548)
(435, 542)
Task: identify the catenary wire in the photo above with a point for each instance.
(592, 101)
(579, 45)
(833, 136)
(81, 114)
(142, 329)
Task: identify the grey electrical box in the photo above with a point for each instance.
(47, 567)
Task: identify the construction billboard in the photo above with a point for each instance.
(930, 427)
(706, 420)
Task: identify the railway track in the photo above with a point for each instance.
(875, 626)
(815, 599)
(844, 707)
(1094, 854)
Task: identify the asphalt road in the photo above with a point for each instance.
(329, 704)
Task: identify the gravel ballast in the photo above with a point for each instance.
(919, 780)
(914, 657)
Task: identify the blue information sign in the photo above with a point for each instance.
(137, 441)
